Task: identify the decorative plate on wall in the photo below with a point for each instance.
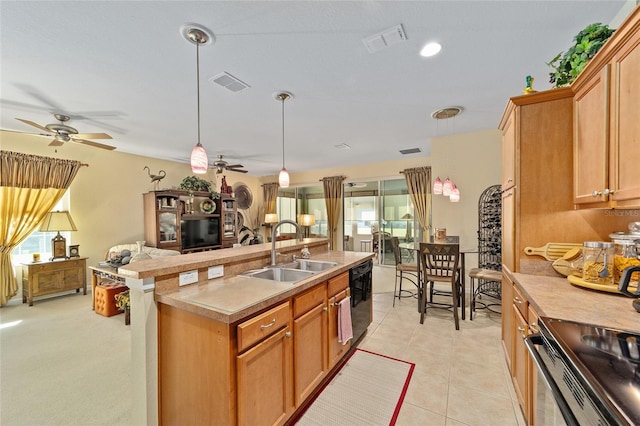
(244, 198)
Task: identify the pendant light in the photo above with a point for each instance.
(447, 187)
(283, 178)
(437, 186)
(455, 194)
(199, 159)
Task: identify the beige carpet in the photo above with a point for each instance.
(368, 390)
(62, 364)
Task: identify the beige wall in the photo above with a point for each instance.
(106, 197)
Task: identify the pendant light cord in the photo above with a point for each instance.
(283, 97)
(198, 82)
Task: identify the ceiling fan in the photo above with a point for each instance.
(221, 165)
(62, 133)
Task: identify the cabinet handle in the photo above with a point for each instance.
(606, 192)
(509, 180)
(271, 324)
(325, 309)
(287, 334)
(521, 329)
(517, 300)
(534, 327)
(509, 194)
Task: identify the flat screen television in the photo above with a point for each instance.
(197, 233)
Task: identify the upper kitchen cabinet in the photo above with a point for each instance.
(537, 173)
(606, 124)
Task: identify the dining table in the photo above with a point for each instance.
(414, 247)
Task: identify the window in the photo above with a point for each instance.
(40, 242)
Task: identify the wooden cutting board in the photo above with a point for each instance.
(551, 251)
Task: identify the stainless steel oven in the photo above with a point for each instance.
(588, 375)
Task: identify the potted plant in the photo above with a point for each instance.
(123, 303)
(568, 65)
(194, 183)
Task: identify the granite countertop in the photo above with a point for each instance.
(558, 298)
(230, 299)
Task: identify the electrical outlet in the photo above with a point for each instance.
(215, 272)
(189, 277)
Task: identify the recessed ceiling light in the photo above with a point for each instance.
(430, 49)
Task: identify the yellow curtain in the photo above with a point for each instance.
(419, 185)
(333, 200)
(30, 186)
(270, 194)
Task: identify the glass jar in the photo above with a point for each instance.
(625, 255)
(597, 266)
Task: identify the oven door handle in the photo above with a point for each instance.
(531, 341)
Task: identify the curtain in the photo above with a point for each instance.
(419, 185)
(30, 186)
(333, 200)
(270, 195)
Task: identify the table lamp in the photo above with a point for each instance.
(270, 219)
(58, 221)
(307, 220)
(409, 218)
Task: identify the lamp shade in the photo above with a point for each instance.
(57, 221)
(454, 197)
(437, 187)
(307, 219)
(199, 160)
(270, 218)
(447, 187)
(283, 179)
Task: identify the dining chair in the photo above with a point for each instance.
(439, 263)
(403, 271)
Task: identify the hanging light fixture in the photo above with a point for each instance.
(283, 178)
(454, 197)
(437, 186)
(447, 187)
(197, 36)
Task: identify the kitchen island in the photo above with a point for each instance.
(235, 349)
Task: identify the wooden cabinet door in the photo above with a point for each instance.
(625, 125)
(532, 374)
(591, 143)
(336, 349)
(520, 360)
(509, 143)
(510, 255)
(264, 381)
(309, 351)
(507, 318)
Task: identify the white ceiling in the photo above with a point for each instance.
(122, 67)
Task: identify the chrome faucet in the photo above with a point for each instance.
(274, 234)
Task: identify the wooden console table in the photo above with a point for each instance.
(103, 272)
(47, 277)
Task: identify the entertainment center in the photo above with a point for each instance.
(189, 221)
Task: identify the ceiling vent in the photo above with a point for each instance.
(386, 38)
(230, 82)
(410, 151)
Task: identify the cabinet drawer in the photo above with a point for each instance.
(262, 326)
(337, 284)
(309, 300)
(520, 302)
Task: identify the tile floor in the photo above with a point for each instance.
(460, 376)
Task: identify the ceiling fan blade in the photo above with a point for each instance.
(94, 144)
(56, 142)
(236, 170)
(234, 166)
(26, 133)
(92, 136)
(36, 125)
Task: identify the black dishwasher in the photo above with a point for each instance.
(360, 284)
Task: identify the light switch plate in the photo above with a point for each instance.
(215, 272)
(189, 277)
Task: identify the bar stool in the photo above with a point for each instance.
(489, 284)
(403, 271)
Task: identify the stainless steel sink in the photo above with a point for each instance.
(279, 274)
(309, 265)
